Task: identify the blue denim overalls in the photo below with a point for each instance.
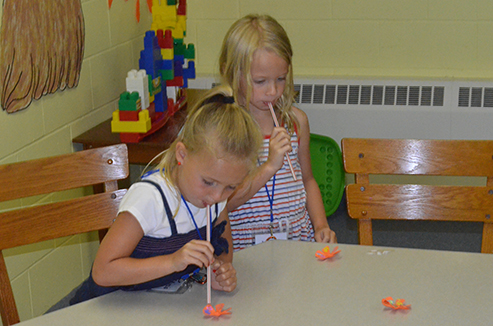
(151, 247)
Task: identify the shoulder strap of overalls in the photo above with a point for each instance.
(166, 206)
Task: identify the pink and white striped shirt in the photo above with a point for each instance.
(289, 205)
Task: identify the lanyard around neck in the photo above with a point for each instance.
(271, 198)
(193, 219)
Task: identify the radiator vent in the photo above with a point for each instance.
(371, 94)
(476, 97)
(385, 93)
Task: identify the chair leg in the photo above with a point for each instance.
(487, 243)
(365, 232)
(8, 309)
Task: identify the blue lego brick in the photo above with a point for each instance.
(161, 100)
(151, 56)
(149, 39)
(179, 58)
(189, 72)
(167, 65)
(178, 68)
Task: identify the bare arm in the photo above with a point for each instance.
(314, 204)
(279, 144)
(224, 277)
(113, 265)
(223, 216)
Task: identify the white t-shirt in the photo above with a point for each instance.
(144, 201)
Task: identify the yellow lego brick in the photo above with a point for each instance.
(164, 12)
(141, 126)
(167, 54)
(177, 33)
(167, 24)
(182, 22)
(164, 25)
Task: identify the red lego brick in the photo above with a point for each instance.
(177, 81)
(129, 115)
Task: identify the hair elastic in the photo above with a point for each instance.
(220, 98)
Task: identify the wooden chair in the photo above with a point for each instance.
(367, 201)
(29, 225)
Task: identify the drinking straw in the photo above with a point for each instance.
(277, 125)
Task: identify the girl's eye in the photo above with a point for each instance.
(208, 183)
(232, 188)
(258, 81)
(282, 79)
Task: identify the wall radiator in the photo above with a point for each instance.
(376, 108)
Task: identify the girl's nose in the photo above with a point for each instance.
(217, 195)
(272, 90)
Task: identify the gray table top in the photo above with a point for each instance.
(282, 283)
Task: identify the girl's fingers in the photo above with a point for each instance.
(197, 252)
(225, 277)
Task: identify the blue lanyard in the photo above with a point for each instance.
(193, 219)
(271, 199)
(148, 173)
(184, 277)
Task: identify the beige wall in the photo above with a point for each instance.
(378, 38)
(42, 274)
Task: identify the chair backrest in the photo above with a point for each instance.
(366, 201)
(28, 225)
(328, 170)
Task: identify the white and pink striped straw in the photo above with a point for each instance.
(208, 235)
(277, 125)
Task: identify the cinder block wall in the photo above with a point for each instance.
(377, 38)
(42, 274)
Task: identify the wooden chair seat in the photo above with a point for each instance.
(29, 225)
(367, 201)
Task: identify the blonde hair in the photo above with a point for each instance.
(219, 125)
(244, 37)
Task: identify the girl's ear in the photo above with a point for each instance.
(180, 152)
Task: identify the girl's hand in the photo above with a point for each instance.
(325, 235)
(195, 252)
(279, 145)
(223, 276)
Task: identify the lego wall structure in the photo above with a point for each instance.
(156, 90)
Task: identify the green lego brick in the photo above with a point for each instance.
(155, 85)
(190, 52)
(179, 48)
(167, 74)
(129, 101)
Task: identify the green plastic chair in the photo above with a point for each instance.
(328, 170)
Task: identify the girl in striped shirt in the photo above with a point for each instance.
(275, 202)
